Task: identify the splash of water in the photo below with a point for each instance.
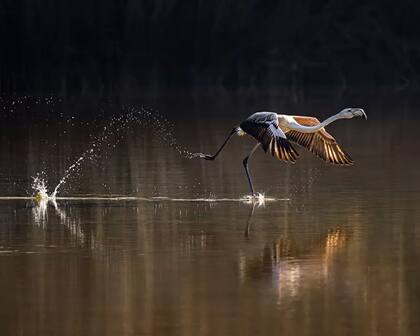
(73, 168)
(40, 212)
(162, 128)
(11, 106)
(258, 199)
(39, 185)
(109, 137)
(41, 197)
(112, 134)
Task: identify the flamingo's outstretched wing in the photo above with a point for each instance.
(263, 126)
(320, 143)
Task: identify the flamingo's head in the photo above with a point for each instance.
(352, 112)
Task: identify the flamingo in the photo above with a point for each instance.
(276, 132)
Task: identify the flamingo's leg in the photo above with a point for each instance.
(245, 162)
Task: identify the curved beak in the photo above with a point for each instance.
(359, 112)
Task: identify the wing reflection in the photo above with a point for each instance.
(292, 265)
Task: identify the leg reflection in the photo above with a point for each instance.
(248, 222)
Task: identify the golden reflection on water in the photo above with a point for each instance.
(282, 261)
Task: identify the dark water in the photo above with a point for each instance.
(336, 254)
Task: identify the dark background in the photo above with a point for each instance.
(107, 46)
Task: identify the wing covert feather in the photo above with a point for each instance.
(320, 143)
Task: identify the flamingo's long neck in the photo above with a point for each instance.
(312, 129)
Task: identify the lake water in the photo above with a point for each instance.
(153, 243)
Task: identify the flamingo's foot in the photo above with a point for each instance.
(256, 198)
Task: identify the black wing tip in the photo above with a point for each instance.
(284, 151)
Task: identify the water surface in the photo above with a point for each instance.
(178, 252)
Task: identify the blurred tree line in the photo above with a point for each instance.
(111, 45)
